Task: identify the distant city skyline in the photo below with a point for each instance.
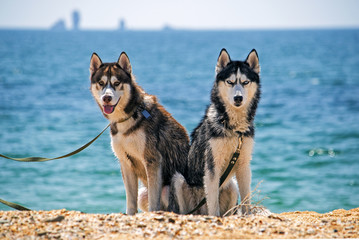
(60, 25)
(180, 14)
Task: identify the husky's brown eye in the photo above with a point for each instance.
(116, 84)
(101, 83)
(245, 82)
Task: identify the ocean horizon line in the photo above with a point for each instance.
(173, 29)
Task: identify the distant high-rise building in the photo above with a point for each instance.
(76, 20)
(122, 25)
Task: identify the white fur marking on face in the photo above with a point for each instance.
(232, 91)
(110, 91)
(229, 91)
(237, 89)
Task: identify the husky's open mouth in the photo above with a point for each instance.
(108, 109)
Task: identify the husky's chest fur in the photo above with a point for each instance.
(129, 139)
(215, 140)
(130, 148)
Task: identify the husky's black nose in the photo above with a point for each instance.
(238, 99)
(107, 99)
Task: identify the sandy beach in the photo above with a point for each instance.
(64, 224)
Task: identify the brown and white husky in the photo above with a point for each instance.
(149, 143)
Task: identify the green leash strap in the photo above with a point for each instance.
(41, 159)
(14, 205)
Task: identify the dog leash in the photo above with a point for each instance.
(41, 159)
(14, 205)
(224, 176)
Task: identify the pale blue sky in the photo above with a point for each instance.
(189, 14)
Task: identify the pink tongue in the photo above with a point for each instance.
(108, 109)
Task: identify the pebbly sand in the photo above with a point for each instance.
(63, 224)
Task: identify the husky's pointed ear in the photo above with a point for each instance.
(124, 63)
(95, 63)
(253, 61)
(223, 60)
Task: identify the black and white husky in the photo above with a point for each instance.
(149, 143)
(234, 98)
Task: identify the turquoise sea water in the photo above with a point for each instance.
(307, 123)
